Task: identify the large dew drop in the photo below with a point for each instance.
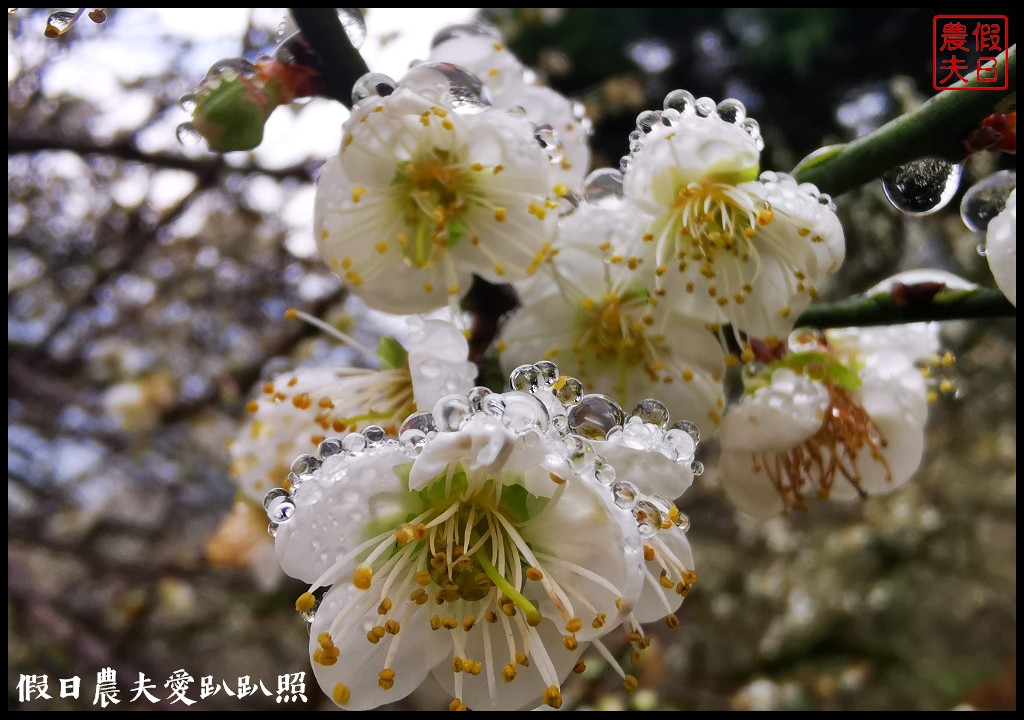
(986, 199)
(602, 183)
(372, 85)
(448, 84)
(922, 187)
(462, 30)
(594, 416)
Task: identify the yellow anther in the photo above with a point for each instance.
(648, 553)
(630, 684)
(552, 697)
(522, 660)
(490, 616)
(556, 479)
(447, 124)
(362, 576)
(386, 679)
(422, 577)
(560, 189)
(533, 573)
(509, 672)
(341, 694)
(468, 622)
(493, 72)
(598, 621)
(435, 621)
(456, 705)
(498, 169)
(672, 620)
(765, 216)
(473, 667)
(570, 642)
(252, 406)
(353, 277)
(499, 269)
(428, 287)
(579, 667)
(305, 602)
(573, 625)
(457, 665)
(500, 213)
(449, 623)
(632, 263)
(357, 193)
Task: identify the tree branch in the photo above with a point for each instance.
(887, 308)
(341, 63)
(937, 128)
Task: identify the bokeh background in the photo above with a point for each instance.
(146, 286)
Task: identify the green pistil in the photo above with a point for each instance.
(533, 616)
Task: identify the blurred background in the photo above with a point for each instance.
(146, 287)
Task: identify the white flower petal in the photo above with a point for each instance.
(777, 417)
(649, 470)
(527, 687)
(360, 662)
(752, 492)
(334, 508)
(288, 417)
(1001, 248)
(437, 362)
(586, 535)
(671, 548)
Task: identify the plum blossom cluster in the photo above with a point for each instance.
(488, 537)
(488, 544)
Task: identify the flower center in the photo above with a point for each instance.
(433, 190)
(710, 218)
(829, 454)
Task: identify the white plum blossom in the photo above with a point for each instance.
(511, 85)
(293, 412)
(424, 194)
(602, 321)
(487, 546)
(838, 416)
(732, 246)
(1001, 248)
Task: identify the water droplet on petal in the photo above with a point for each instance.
(449, 85)
(678, 445)
(571, 391)
(305, 465)
(423, 421)
(594, 416)
(272, 529)
(231, 68)
(560, 423)
(923, 186)
(548, 372)
(355, 25)
(279, 506)
(548, 140)
(731, 110)
(604, 472)
(986, 199)
(697, 468)
(372, 85)
(705, 107)
(354, 443)
(652, 411)
(187, 134)
(524, 378)
(187, 102)
(602, 183)
(689, 428)
(580, 453)
(646, 120)
(59, 23)
(329, 447)
(648, 517)
(450, 412)
(493, 405)
(681, 101)
(474, 29)
(982, 249)
(682, 521)
(476, 397)
(374, 435)
(624, 494)
(523, 412)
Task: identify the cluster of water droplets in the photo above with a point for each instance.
(578, 418)
(681, 104)
(542, 407)
(986, 199)
(922, 187)
(782, 189)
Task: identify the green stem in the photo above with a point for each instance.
(883, 309)
(533, 616)
(342, 63)
(937, 128)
